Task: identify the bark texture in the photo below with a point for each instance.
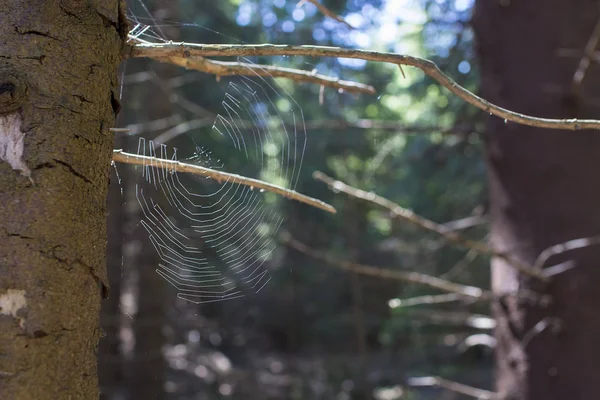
(58, 62)
(543, 190)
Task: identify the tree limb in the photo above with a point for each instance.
(193, 50)
(330, 124)
(426, 299)
(436, 381)
(585, 61)
(470, 292)
(400, 212)
(128, 158)
(225, 68)
(560, 248)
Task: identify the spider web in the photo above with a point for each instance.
(214, 238)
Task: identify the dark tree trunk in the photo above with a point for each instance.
(58, 63)
(544, 190)
(110, 360)
(146, 373)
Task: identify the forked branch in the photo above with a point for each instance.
(193, 51)
(128, 158)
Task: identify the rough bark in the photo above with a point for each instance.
(543, 191)
(58, 62)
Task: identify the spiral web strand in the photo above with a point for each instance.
(214, 239)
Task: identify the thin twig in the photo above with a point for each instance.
(226, 68)
(585, 61)
(564, 247)
(400, 212)
(461, 265)
(470, 292)
(325, 11)
(150, 126)
(541, 326)
(577, 53)
(443, 317)
(465, 223)
(128, 158)
(427, 299)
(436, 381)
(394, 126)
(192, 50)
(182, 128)
(330, 124)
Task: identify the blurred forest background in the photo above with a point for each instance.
(315, 331)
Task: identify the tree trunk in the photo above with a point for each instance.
(58, 63)
(543, 191)
(148, 367)
(110, 360)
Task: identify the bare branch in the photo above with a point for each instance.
(192, 50)
(465, 223)
(330, 124)
(585, 61)
(461, 265)
(149, 126)
(548, 322)
(471, 292)
(436, 381)
(443, 317)
(400, 212)
(564, 247)
(325, 11)
(127, 158)
(225, 68)
(427, 299)
(393, 126)
(182, 128)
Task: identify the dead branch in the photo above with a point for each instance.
(436, 381)
(330, 124)
(325, 11)
(392, 126)
(128, 158)
(225, 68)
(470, 292)
(400, 212)
(563, 248)
(182, 128)
(427, 299)
(461, 265)
(453, 318)
(193, 50)
(464, 223)
(586, 60)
